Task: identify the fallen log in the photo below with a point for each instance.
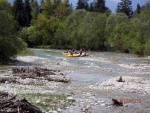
(12, 105)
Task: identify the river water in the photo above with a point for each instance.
(96, 67)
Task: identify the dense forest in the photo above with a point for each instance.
(55, 24)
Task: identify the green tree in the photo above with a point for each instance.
(82, 4)
(136, 43)
(145, 26)
(125, 6)
(18, 12)
(99, 6)
(68, 33)
(10, 44)
(138, 9)
(47, 8)
(4, 5)
(91, 7)
(113, 24)
(85, 31)
(27, 12)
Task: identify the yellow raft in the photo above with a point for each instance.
(74, 55)
(71, 55)
(65, 53)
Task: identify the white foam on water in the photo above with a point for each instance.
(29, 58)
(93, 58)
(135, 66)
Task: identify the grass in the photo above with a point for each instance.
(5, 67)
(26, 52)
(47, 102)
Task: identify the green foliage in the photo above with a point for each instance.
(7, 24)
(68, 31)
(10, 44)
(92, 34)
(96, 31)
(26, 52)
(34, 11)
(99, 6)
(56, 25)
(113, 30)
(83, 29)
(32, 35)
(4, 5)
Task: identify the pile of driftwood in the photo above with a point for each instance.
(40, 73)
(9, 104)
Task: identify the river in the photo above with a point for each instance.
(95, 66)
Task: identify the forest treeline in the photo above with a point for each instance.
(55, 24)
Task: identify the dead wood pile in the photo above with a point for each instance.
(9, 104)
(40, 73)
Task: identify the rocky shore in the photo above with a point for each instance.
(131, 84)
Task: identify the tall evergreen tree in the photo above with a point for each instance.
(27, 12)
(82, 4)
(99, 6)
(18, 12)
(125, 6)
(91, 7)
(41, 3)
(118, 8)
(138, 9)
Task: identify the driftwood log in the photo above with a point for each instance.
(9, 104)
(37, 73)
(117, 103)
